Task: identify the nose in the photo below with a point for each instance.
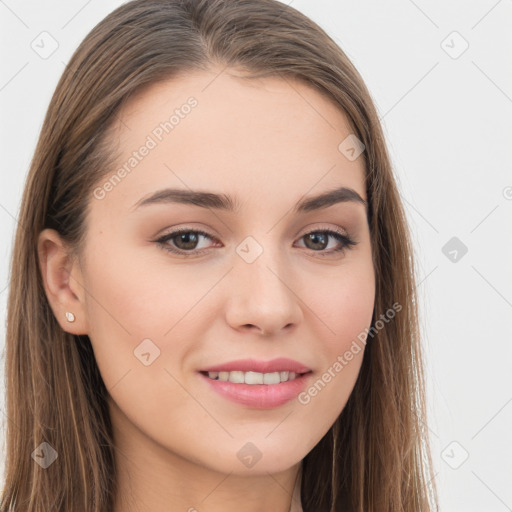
(263, 296)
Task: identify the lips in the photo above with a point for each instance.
(258, 396)
(281, 364)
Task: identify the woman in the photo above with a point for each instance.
(213, 298)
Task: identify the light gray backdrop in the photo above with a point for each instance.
(440, 75)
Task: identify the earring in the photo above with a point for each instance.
(70, 317)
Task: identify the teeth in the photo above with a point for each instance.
(239, 377)
(252, 377)
(271, 378)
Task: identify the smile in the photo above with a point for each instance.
(251, 378)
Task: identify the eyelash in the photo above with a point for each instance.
(346, 241)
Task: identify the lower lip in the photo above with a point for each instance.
(259, 396)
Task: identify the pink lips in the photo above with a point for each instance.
(281, 364)
(260, 396)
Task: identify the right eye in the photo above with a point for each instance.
(184, 241)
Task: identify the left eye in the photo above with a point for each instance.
(185, 241)
(321, 237)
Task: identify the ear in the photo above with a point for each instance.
(62, 281)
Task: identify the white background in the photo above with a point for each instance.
(448, 125)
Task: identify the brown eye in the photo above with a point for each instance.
(186, 241)
(318, 241)
(183, 241)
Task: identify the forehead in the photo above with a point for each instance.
(237, 100)
(269, 138)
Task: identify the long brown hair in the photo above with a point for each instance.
(376, 456)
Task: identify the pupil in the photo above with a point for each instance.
(315, 238)
(185, 237)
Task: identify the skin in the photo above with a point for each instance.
(268, 142)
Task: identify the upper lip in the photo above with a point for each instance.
(281, 364)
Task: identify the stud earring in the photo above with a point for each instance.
(70, 317)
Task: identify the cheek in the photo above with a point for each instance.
(345, 310)
(342, 355)
(350, 311)
(134, 297)
(343, 302)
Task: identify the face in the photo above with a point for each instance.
(261, 280)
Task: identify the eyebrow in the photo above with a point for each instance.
(227, 203)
